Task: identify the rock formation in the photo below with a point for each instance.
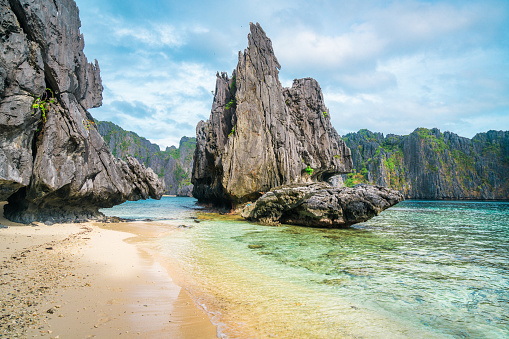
(429, 164)
(321, 205)
(173, 165)
(54, 165)
(261, 135)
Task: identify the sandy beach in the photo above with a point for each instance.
(91, 280)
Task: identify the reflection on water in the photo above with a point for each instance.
(420, 269)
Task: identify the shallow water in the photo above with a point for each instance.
(420, 269)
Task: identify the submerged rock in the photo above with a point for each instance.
(321, 205)
(54, 165)
(261, 135)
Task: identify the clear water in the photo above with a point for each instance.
(420, 269)
(168, 208)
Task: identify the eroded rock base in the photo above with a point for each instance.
(321, 205)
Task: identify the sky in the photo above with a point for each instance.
(386, 66)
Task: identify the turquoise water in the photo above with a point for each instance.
(168, 208)
(420, 269)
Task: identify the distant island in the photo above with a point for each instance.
(429, 164)
(173, 165)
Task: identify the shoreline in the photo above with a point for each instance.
(92, 280)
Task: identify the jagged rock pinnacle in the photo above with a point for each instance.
(261, 135)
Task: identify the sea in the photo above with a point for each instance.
(421, 269)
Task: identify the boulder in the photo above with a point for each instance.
(321, 205)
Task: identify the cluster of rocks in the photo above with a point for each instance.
(261, 135)
(53, 162)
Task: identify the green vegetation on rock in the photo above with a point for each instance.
(355, 178)
(232, 132)
(231, 104)
(43, 103)
(309, 170)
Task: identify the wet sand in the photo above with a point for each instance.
(91, 280)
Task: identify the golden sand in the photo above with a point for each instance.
(91, 280)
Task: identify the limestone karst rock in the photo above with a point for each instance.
(172, 165)
(54, 165)
(429, 164)
(321, 205)
(261, 135)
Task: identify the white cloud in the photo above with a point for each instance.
(328, 52)
(399, 28)
(387, 66)
(464, 94)
(342, 98)
(374, 81)
(154, 35)
(416, 22)
(161, 102)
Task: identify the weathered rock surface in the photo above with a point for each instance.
(54, 165)
(173, 165)
(321, 205)
(261, 135)
(429, 164)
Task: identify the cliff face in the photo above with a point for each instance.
(173, 165)
(428, 164)
(261, 135)
(54, 165)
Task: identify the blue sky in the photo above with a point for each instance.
(388, 66)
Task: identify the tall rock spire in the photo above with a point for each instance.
(261, 135)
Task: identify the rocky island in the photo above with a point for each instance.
(261, 136)
(172, 165)
(54, 165)
(430, 164)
